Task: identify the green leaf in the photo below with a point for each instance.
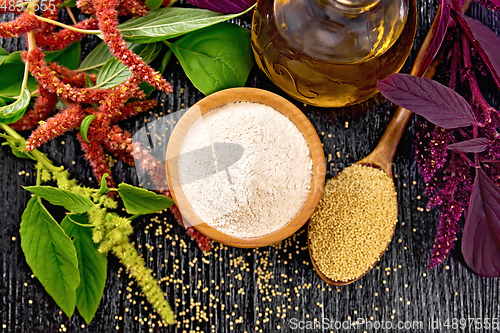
(104, 184)
(2, 102)
(68, 57)
(153, 4)
(141, 201)
(96, 59)
(91, 264)
(69, 3)
(14, 111)
(3, 54)
(84, 126)
(216, 57)
(50, 254)
(12, 74)
(59, 197)
(165, 61)
(114, 72)
(170, 22)
(60, 105)
(16, 150)
(88, 82)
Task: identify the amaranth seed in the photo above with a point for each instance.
(353, 222)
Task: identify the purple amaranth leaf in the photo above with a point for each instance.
(486, 43)
(438, 37)
(478, 248)
(437, 103)
(471, 146)
(490, 194)
(223, 6)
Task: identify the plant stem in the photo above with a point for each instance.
(70, 13)
(472, 80)
(31, 45)
(424, 49)
(38, 155)
(80, 224)
(62, 25)
(477, 96)
(87, 68)
(466, 159)
(474, 136)
(455, 52)
(38, 174)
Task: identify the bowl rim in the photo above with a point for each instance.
(281, 105)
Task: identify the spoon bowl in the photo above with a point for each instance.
(368, 161)
(372, 162)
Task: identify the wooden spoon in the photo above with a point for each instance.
(381, 158)
(383, 155)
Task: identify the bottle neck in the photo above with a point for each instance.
(351, 7)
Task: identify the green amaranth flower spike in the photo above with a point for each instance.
(110, 231)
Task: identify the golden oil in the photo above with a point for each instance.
(331, 53)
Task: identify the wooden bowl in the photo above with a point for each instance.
(281, 105)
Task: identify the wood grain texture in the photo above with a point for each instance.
(263, 290)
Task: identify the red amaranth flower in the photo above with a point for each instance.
(48, 80)
(133, 108)
(151, 166)
(60, 123)
(106, 13)
(44, 106)
(6, 7)
(448, 227)
(68, 76)
(50, 12)
(431, 149)
(204, 243)
(156, 171)
(94, 153)
(119, 143)
(117, 96)
(20, 26)
(133, 7)
(53, 41)
(86, 6)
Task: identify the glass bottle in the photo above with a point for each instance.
(331, 53)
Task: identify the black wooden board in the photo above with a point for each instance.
(270, 289)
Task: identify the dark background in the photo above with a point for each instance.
(266, 289)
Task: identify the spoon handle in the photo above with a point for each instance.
(386, 148)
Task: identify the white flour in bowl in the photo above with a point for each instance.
(245, 169)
